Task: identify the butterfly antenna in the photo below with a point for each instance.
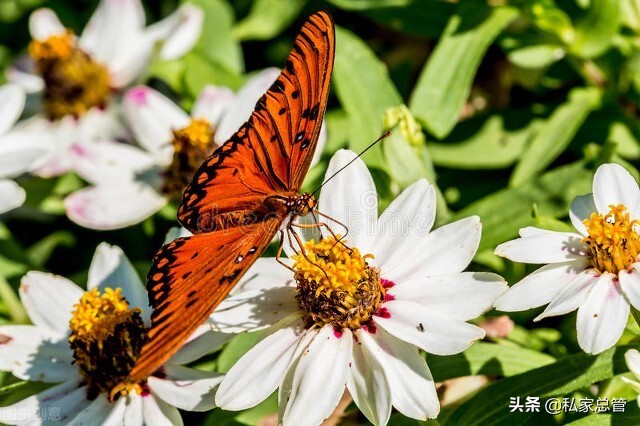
(382, 137)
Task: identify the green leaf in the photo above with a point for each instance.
(337, 123)
(504, 212)
(488, 359)
(369, 4)
(40, 252)
(445, 81)
(217, 42)
(236, 347)
(267, 18)
(630, 416)
(201, 71)
(422, 18)
(404, 165)
(555, 134)
(595, 33)
(491, 405)
(365, 91)
(536, 56)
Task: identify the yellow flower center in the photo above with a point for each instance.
(336, 285)
(74, 82)
(613, 242)
(192, 145)
(106, 339)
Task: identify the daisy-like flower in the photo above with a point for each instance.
(130, 184)
(594, 270)
(79, 77)
(355, 313)
(632, 357)
(87, 341)
(20, 151)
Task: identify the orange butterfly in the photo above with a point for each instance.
(240, 197)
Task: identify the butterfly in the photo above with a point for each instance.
(240, 197)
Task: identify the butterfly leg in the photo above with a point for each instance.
(300, 243)
(279, 252)
(325, 225)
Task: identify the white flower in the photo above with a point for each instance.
(594, 270)
(20, 150)
(130, 184)
(632, 356)
(67, 326)
(80, 77)
(364, 330)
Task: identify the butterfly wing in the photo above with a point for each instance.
(273, 150)
(189, 278)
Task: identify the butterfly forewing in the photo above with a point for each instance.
(272, 151)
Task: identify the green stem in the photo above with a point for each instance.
(12, 303)
(636, 315)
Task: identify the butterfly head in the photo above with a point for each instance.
(305, 203)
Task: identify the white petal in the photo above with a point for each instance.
(286, 387)
(581, 208)
(431, 331)
(44, 23)
(259, 372)
(30, 409)
(449, 249)
(323, 370)
(133, 415)
(368, 384)
(265, 274)
(405, 223)
(613, 185)
(153, 117)
(108, 162)
(22, 151)
(34, 353)
(632, 357)
(11, 195)
(28, 81)
(113, 207)
(571, 296)
(202, 342)
(186, 388)
(129, 64)
(630, 284)
(413, 391)
(49, 300)
(177, 232)
(156, 412)
(548, 247)
(539, 287)
(97, 413)
(463, 295)
(111, 268)
(254, 309)
(603, 316)
(12, 99)
(212, 102)
(351, 198)
(180, 30)
(111, 29)
(242, 107)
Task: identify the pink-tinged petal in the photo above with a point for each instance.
(203, 341)
(111, 268)
(107, 162)
(464, 296)
(261, 369)
(180, 31)
(581, 208)
(413, 391)
(630, 284)
(34, 353)
(603, 316)
(548, 247)
(242, 107)
(571, 295)
(186, 388)
(447, 250)
(322, 370)
(11, 195)
(540, 287)
(44, 23)
(153, 117)
(156, 412)
(12, 99)
(613, 185)
(30, 409)
(114, 25)
(212, 103)
(49, 300)
(368, 384)
(113, 207)
(351, 198)
(404, 224)
(431, 331)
